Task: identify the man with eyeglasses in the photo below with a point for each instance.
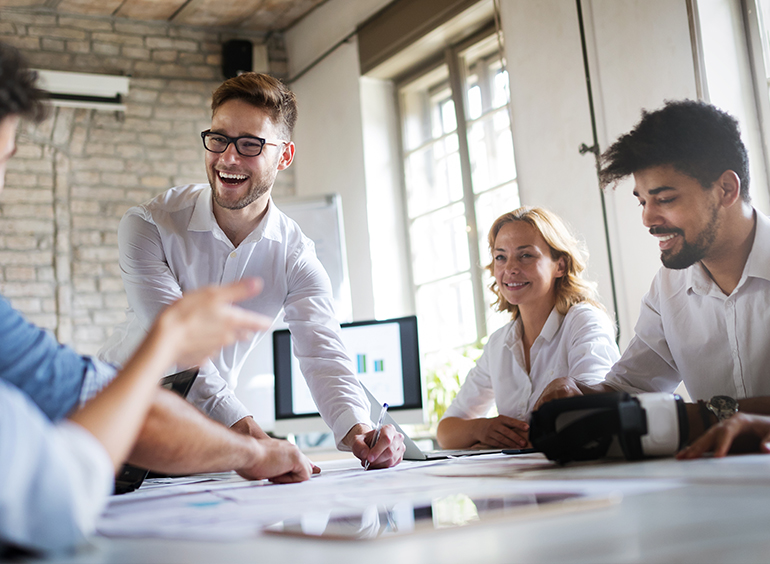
(197, 235)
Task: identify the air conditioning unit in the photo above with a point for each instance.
(83, 90)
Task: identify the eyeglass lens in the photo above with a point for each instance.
(246, 146)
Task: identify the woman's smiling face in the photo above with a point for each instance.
(523, 267)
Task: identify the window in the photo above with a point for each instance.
(459, 177)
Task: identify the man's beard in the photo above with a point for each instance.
(256, 191)
(690, 253)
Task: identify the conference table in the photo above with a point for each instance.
(486, 509)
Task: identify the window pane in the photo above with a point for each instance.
(489, 206)
(424, 105)
(433, 176)
(491, 151)
(446, 314)
(439, 245)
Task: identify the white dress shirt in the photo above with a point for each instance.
(580, 344)
(54, 479)
(173, 244)
(689, 330)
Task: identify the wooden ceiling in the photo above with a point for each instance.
(252, 15)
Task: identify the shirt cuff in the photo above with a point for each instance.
(346, 421)
(98, 375)
(228, 410)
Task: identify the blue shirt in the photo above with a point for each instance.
(54, 376)
(54, 478)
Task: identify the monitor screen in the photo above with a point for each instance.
(385, 357)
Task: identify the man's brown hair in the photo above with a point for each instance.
(261, 91)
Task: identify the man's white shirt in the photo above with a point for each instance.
(689, 330)
(173, 244)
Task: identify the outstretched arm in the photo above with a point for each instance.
(496, 432)
(176, 438)
(186, 333)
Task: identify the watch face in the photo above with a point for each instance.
(724, 403)
(723, 407)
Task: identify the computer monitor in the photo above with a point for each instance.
(386, 358)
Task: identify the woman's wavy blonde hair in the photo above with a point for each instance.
(570, 288)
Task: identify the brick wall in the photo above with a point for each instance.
(75, 174)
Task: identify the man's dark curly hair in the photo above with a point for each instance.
(18, 93)
(696, 138)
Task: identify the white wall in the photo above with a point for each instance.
(393, 296)
(330, 158)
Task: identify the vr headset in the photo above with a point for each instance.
(610, 425)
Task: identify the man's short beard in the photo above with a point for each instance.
(695, 251)
(252, 196)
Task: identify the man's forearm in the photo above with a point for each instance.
(177, 438)
(598, 388)
(760, 405)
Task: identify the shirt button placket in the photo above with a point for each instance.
(730, 321)
(231, 268)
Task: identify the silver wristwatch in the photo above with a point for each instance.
(723, 407)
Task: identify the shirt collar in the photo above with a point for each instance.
(203, 219)
(548, 332)
(757, 264)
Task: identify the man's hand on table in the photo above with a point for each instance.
(277, 460)
(747, 433)
(388, 451)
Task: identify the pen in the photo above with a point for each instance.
(377, 431)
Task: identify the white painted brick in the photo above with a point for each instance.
(97, 254)
(20, 274)
(25, 226)
(88, 301)
(26, 289)
(28, 210)
(27, 305)
(45, 274)
(84, 285)
(20, 243)
(13, 195)
(43, 320)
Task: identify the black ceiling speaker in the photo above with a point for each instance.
(236, 57)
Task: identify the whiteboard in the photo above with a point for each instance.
(320, 219)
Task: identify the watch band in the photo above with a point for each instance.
(705, 413)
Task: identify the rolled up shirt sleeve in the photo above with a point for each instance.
(323, 359)
(54, 479)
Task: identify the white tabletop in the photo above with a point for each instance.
(710, 511)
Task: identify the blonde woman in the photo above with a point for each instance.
(557, 328)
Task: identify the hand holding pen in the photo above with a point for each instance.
(377, 430)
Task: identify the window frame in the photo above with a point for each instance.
(451, 57)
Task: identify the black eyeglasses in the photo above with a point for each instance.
(246, 146)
